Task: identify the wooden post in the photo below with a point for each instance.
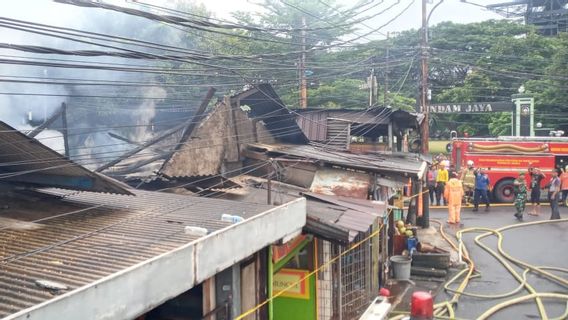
(47, 122)
(65, 129)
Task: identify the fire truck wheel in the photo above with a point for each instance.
(504, 191)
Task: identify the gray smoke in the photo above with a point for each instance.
(89, 118)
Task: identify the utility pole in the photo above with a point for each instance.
(386, 85)
(303, 80)
(425, 128)
(371, 83)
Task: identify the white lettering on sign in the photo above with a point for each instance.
(460, 108)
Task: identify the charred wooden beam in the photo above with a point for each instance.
(142, 163)
(121, 138)
(47, 122)
(189, 125)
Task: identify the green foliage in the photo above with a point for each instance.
(477, 62)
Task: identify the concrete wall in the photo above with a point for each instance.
(205, 150)
(220, 138)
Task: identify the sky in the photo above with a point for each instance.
(449, 10)
(47, 11)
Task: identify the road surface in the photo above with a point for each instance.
(540, 245)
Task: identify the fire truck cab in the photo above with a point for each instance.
(505, 157)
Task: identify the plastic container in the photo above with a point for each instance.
(397, 214)
(196, 231)
(421, 306)
(231, 218)
(401, 267)
(411, 244)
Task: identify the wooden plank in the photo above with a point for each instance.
(46, 124)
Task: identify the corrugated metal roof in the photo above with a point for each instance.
(80, 248)
(354, 215)
(316, 123)
(338, 133)
(265, 104)
(401, 164)
(26, 160)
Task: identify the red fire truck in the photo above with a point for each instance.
(504, 157)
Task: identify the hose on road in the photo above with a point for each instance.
(446, 309)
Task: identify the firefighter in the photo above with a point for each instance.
(520, 195)
(453, 193)
(468, 181)
(564, 185)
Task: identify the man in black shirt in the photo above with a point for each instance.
(536, 177)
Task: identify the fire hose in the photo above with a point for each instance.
(445, 310)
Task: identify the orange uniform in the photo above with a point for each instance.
(453, 193)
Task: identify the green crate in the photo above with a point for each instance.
(397, 214)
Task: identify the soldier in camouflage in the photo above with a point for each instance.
(520, 195)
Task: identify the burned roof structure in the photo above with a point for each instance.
(26, 161)
(213, 149)
(265, 105)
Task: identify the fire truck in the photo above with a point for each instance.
(504, 158)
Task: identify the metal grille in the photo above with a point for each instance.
(345, 287)
(356, 280)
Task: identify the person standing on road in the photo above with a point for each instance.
(520, 195)
(441, 180)
(468, 182)
(453, 193)
(536, 177)
(553, 193)
(432, 174)
(564, 185)
(481, 189)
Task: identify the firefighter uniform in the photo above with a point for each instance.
(453, 193)
(468, 181)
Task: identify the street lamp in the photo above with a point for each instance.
(425, 92)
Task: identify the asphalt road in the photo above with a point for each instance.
(540, 245)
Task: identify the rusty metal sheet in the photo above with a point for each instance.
(102, 234)
(26, 160)
(341, 183)
(354, 215)
(356, 220)
(371, 207)
(400, 164)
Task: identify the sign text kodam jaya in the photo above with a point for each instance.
(477, 107)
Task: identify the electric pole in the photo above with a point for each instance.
(425, 128)
(303, 80)
(372, 84)
(386, 85)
